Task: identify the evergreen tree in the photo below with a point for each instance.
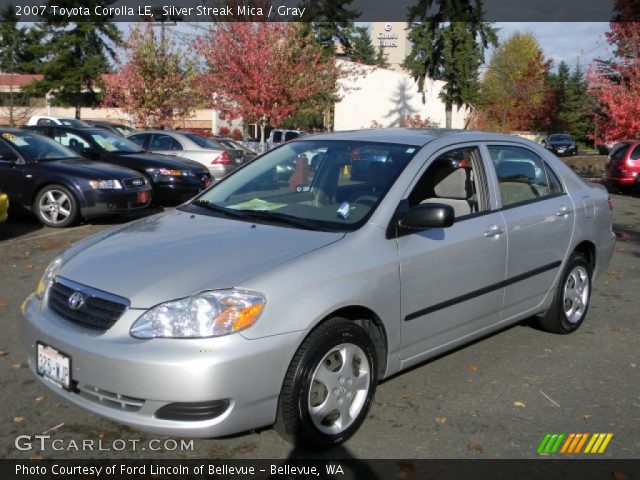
(332, 21)
(362, 49)
(78, 53)
(449, 46)
(19, 52)
(381, 58)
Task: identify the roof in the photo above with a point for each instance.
(18, 79)
(409, 136)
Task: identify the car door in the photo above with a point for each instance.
(140, 139)
(452, 278)
(539, 216)
(15, 179)
(163, 143)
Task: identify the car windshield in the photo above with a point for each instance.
(315, 184)
(204, 142)
(72, 122)
(113, 143)
(560, 138)
(37, 147)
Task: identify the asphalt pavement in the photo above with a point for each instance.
(495, 398)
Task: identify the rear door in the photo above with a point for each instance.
(15, 179)
(539, 215)
(452, 278)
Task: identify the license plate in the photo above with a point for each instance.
(143, 197)
(54, 365)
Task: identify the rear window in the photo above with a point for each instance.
(619, 151)
(635, 154)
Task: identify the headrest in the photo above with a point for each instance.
(452, 185)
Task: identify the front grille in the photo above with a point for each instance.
(92, 308)
(110, 399)
(135, 182)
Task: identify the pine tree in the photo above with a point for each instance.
(19, 51)
(362, 49)
(333, 22)
(449, 46)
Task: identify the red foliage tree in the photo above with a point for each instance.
(616, 83)
(263, 71)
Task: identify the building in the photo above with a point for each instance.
(392, 38)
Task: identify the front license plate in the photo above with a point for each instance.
(54, 365)
(143, 197)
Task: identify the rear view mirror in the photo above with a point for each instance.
(428, 215)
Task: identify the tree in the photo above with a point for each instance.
(157, 84)
(78, 52)
(616, 83)
(333, 22)
(449, 46)
(264, 71)
(515, 91)
(362, 49)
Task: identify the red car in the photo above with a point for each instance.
(622, 168)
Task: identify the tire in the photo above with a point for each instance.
(329, 387)
(55, 206)
(571, 300)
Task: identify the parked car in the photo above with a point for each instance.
(287, 305)
(117, 128)
(218, 158)
(172, 179)
(247, 153)
(278, 136)
(622, 167)
(4, 204)
(49, 120)
(605, 148)
(561, 144)
(59, 186)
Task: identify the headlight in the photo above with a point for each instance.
(47, 278)
(207, 314)
(106, 184)
(167, 172)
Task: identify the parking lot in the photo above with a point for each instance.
(495, 398)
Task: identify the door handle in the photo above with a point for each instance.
(493, 231)
(563, 212)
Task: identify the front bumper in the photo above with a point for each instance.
(570, 150)
(113, 373)
(105, 202)
(179, 189)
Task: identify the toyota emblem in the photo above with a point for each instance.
(76, 301)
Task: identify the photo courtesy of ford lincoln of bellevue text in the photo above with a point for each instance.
(379, 249)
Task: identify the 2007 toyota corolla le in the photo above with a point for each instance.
(285, 299)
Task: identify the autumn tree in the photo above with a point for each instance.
(156, 83)
(616, 83)
(448, 44)
(76, 52)
(264, 71)
(515, 94)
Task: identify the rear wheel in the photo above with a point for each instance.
(56, 206)
(571, 301)
(329, 386)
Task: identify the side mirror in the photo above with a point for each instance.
(428, 215)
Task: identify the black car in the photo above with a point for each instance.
(173, 179)
(59, 186)
(119, 129)
(561, 144)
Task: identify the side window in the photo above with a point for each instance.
(455, 178)
(290, 136)
(6, 153)
(45, 121)
(522, 175)
(277, 136)
(138, 139)
(70, 140)
(635, 153)
(164, 142)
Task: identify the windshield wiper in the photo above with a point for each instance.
(215, 208)
(280, 218)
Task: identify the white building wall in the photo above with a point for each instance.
(386, 96)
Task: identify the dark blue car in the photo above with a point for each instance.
(59, 187)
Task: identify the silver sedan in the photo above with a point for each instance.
(270, 300)
(220, 159)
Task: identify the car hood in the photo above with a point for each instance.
(175, 254)
(86, 169)
(155, 160)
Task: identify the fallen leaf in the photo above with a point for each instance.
(519, 404)
(39, 398)
(36, 457)
(472, 367)
(632, 365)
(247, 448)
(476, 447)
(441, 420)
(613, 273)
(407, 470)
(18, 419)
(620, 250)
(3, 302)
(17, 365)
(3, 353)
(103, 434)
(616, 330)
(406, 396)
(548, 350)
(586, 417)
(29, 266)
(619, 476)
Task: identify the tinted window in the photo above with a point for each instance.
(164, 142)
(45, 121)
(71, 140)
(560, 138)
(619, 151)
(204, 142)
(37, 147)
(635, 153)
(290, 136)
(522, 175)
(277, 137)
(113, 143)
(6, 153)
(138, 139)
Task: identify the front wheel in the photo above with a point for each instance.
(56, 206)
(571, 301)
(329, 387)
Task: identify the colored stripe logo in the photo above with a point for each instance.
(573, 443)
